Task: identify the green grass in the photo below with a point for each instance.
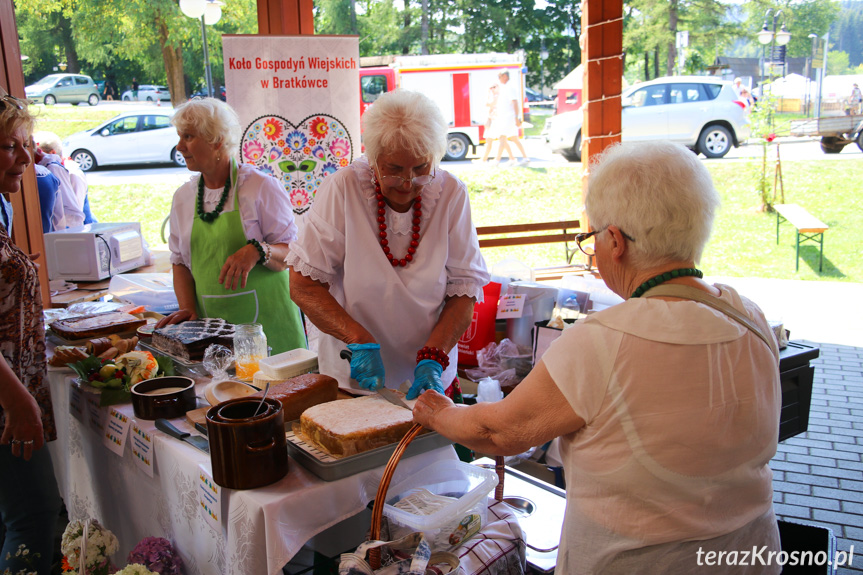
(66, 120)
(744, 237)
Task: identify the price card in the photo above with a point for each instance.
(96, 416)
(116, 430)
(141, 442)
(210, 498)
(76, 401)
(511, 305)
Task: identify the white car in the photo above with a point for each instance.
(148, 93)
(128, 138)
(703, 113)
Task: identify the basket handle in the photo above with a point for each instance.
(381, 496)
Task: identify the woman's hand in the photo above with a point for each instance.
(23, 428)
(428, 406)
(177, 317)
(237, 267)
(367, 367)
(427, 376)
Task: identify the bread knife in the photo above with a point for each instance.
(388, 394)
(195, 440)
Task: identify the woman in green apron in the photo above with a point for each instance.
(230, 230)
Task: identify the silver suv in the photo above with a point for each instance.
(703, 113)
(72, 88)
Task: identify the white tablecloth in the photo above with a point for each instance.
(261, 529)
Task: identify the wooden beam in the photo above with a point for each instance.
(286, 17)
(27, 225)
(602, 55)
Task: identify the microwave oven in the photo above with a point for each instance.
(93, 252)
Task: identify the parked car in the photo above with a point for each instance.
(148, 93)
(128, 138)
(72, 88)
(532, 95)
(202, 93)
(701, 112)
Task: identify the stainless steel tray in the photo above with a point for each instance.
(330, 468)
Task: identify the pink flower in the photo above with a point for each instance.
(340, 148)
(771, 137)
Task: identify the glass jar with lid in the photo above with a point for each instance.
(250, 346)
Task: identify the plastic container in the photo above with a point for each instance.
(447, 521)
(289, 364)
(155, 291)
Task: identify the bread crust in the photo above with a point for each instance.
(302, 392)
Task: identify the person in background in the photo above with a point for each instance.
(388, 264)
(29, 499)
(856, 100)
(49, 190)
(509, 119)
(667, 409)
(50, 144)
(135, 89)
(490, 125)
(230, 230)
(110, 90)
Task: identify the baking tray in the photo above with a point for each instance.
(330, 468)
(183, 365)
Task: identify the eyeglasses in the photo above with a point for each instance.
(13, 101)
(586, 241)
(399, 182)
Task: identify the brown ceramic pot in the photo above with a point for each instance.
(247, 450)
(149, 402)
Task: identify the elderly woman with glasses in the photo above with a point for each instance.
(667, 407)
(388, 264)
(230, 230)
(29, 499)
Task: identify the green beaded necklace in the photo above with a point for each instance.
(210, 216)
(661, 278)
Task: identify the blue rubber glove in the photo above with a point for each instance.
(367, 367)
(427, 375)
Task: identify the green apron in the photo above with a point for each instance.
(211, 244)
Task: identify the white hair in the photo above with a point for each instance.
(402, 120)
(49, 142)
(212, 119)
(660, 194)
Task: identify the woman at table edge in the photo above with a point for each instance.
(29, 498)
(230, 231)
(389, 261)
(667, 410)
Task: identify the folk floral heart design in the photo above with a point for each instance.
(299, 155)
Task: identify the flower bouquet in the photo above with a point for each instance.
(86, 546)
(158, 555)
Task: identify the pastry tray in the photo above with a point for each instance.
(330, 468)
(185, 366)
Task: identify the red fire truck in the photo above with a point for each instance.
(458, 83)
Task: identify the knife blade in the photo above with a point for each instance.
(166, 426)
(388, 394)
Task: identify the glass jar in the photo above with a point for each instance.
(250, 347)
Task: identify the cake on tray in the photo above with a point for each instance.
(350, 426)
(188, 340)
(96, 325)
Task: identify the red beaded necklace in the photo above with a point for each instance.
(382, 226)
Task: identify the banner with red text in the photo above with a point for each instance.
(298, 98)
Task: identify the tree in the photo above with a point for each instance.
(837, 63)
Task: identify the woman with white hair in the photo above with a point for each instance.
(389, 263)
(230, 230)
(667, 407)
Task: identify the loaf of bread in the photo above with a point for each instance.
(351, 426)
(66, 354)
(96, 325)
(302, 392)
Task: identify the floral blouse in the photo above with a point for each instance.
(22, 334)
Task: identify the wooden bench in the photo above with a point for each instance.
(808, 228)
(537, 233)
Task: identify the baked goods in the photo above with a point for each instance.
(302, 392)
(188, 340)
(351, 426)
(66, 354)
(96, 325)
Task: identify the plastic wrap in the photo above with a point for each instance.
(217, 360)
(497, 361)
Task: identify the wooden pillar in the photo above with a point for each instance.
(27, 227)
(602, 55)
(286, 17)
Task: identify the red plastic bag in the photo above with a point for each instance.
(481, 330)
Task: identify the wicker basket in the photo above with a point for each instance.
(374, 555)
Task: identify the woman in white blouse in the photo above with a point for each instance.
(389, 263)
(230, 230)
